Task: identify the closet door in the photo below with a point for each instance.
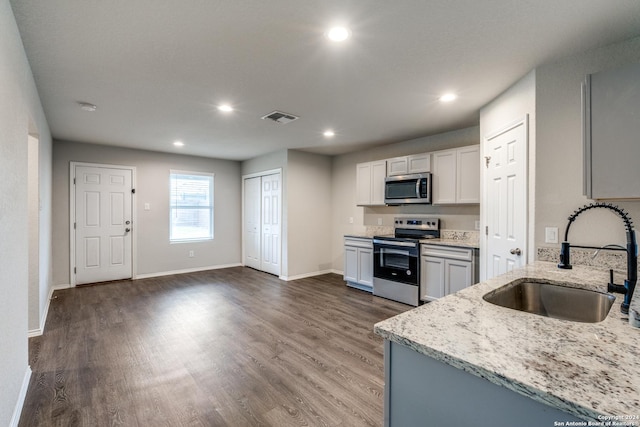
(252, 222)
(271, 223)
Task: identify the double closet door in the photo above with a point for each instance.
(263, 222)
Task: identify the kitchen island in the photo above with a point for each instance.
(463, 361)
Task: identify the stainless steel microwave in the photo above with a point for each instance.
(408, 189)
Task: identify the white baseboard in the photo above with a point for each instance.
(17, 411)
(187, 270)
(305, 275)
(43, 318)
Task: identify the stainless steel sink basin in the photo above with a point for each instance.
(551, 300)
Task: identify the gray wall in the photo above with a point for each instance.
(559, 147)
(309, 212)
(343, 191)
(20, 114)
(275, 160)
(154, 254)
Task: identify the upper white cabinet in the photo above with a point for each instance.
(468, 175)
(370, 183)
(416, 163)
(611, 101)
(456, 176)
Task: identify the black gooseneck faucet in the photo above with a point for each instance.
(632, 252)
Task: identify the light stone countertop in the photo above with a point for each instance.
(452, 242)
(359, 236)
(586, 369)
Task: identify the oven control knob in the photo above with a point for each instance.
(408, 272)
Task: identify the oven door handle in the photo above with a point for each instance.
(386, 243)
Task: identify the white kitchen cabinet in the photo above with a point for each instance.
(358, 262)
(443, 180)
(611, 101)
(445, 270)
(456, 176)
(432, 280)
(416, 163)
(370, 183)
(468, 174)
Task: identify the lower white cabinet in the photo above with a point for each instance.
(445, 270)
(358, 262)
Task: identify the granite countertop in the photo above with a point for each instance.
(586, 369)
(452, 242)
(359, 236)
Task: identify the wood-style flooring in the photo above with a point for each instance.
(230, 347)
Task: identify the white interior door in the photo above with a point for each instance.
(505, 199)
(103, 223)
(271, 223)
(252, 222)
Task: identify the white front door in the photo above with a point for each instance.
(103, 222)
(505, 199)
(271, 223)
(252, 222)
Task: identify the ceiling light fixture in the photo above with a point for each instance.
(329, 133)
(226, 108)
(178, 143)
(85, 106)
(338, 34)
(448, 97)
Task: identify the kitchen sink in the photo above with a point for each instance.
(552, 300)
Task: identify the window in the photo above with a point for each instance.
(191, 210)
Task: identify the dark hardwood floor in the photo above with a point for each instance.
(229, 347)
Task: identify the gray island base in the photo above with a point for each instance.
(422, 391)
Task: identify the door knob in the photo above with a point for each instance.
(127, 230)
(516, 251)
(127, 222)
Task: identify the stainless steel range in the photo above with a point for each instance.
(396, 259)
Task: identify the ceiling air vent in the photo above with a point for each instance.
(280, 117)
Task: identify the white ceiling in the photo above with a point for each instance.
(157, 69)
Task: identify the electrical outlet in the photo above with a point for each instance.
(147, 206)
(192, 254)
(477, 225)
(379, 221)
(350, 220)
(551, 234)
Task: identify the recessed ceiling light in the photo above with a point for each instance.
(178, 143)
(329, 133)
(225, 108)
(85, 106)
(338, 34)
(448, 97)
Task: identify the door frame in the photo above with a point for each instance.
(528, 225)
(72, 210)
(256, 175)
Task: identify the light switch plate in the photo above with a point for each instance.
(551, 234)
(379, 221)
